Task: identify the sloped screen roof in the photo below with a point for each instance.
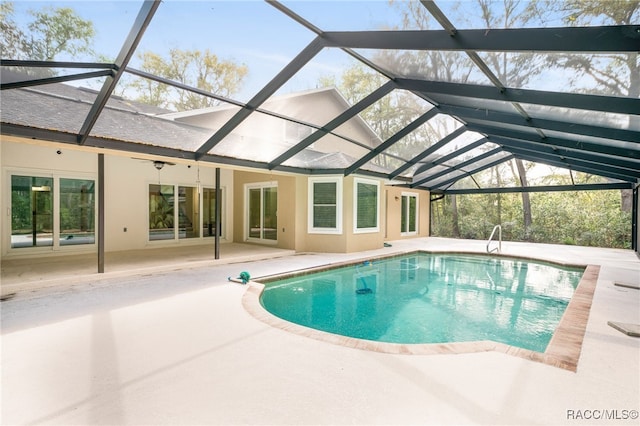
(428, 94)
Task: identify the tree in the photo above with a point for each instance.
(513, 71)
(612, 74)
(196, 68)
(59, 30)
(52, 33)
(13, 38)
(388, 115)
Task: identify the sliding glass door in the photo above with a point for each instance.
(31, 211)
(51, 211)
(262, 212)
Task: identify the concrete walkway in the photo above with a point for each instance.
(177, 347)
(32, 275)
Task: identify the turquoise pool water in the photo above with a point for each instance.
(431, 298)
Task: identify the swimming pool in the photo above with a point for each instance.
(430, 298)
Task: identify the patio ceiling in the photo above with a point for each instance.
(493, 122)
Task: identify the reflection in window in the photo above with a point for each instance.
(77, 212)
(188, 208)
(161, 202)
(31, 211)
(209, 212)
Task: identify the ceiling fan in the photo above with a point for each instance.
(158, 164)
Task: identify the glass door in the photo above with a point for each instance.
(31, 211)
(262, 212)
(409, 214)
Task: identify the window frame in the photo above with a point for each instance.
(246, 231)
(409, 195)
(176, 231)
(368, 230)
(222, 211)
(311, 229)
(174, 218)
(55, 176)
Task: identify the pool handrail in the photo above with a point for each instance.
(499, 248)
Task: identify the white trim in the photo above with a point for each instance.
(417, 197)
(176, 230)
(55, 247)
(161, 241)
(310, 191)
(245, 225)
(357, 230)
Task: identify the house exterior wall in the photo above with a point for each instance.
(304, 107)
(286, 214)
(126, 192)
(393, 209)
(127, 183)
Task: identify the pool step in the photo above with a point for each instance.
(632, 330)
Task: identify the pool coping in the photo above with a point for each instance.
(563, 350)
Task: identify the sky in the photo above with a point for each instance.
(247, 32)
(253, 33)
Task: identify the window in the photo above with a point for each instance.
(164, 207)
(366, 211)
(51, 211)
(209, 221)
(31, 211)
(188, 212)
(77, 212)
(409, 214)
(161, 206)
(262, 212)
(325, 210)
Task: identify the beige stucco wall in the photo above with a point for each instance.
(350, 241)
(393, 208)
(128, 179)
(126, 191)
(293, 216)
(286, 205)
(361, 241)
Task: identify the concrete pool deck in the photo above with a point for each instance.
(176, 346)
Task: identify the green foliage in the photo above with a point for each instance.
(587, 218)
(390, 114)
(12, 38)
(610, 74)
(196, 68)
(160, 212)
(52, 32)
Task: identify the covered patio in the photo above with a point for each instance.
(34, 274)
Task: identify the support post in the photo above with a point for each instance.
(218, 207)
(635, 217)
(101, 213)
